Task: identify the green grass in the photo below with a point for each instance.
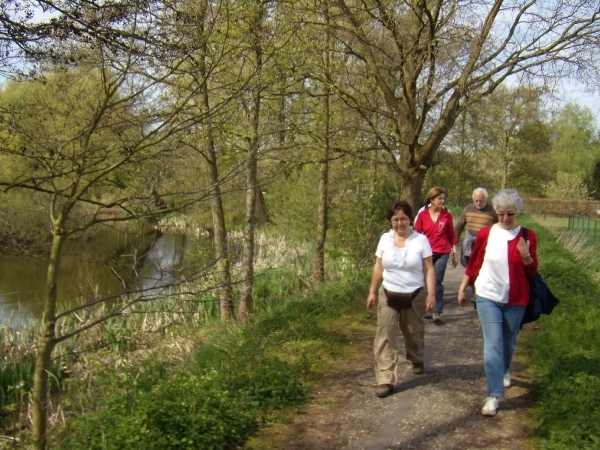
(565, 353)
(558, 223)
(221, 393)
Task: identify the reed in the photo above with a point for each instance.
(577, 243)
(149, 337)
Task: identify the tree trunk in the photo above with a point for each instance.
(223, 275)
(463, 153)
(246, 299)
(319, 255)
(48, 342)
(505, 162)
(260, 212)
(412, 183)
(249, 229)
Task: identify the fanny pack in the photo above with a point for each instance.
(400, 300)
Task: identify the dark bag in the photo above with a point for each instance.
(541, 300)
(399, 300)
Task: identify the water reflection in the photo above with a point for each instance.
(107, 264)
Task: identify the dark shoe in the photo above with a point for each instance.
(437, 318)
(428, 316)
(383, 390)
(418, 368)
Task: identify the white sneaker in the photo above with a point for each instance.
(506, 380)
(491, 407)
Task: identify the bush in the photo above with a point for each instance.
(188, 411)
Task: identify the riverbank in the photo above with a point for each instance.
(300, 374)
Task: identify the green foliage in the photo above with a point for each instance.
(499, 142)
(565, 354)
(594, 181)
(576, 145)
(16, 374)
(567, 186)
(238, 379)
(358, 225)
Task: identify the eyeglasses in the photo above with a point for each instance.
(403, 220)
(509, 214)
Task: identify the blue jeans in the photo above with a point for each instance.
(440, 270)
(500, 324)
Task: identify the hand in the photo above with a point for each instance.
(371, 300)
(523, 246)
(462, 297)
(430, 302)
(454, 260)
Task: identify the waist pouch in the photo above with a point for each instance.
(399, 300)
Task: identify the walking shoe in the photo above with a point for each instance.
(437, 318)
(383, 390)
(428, 316)
(418, 368)
(491, 407)
(506, 380)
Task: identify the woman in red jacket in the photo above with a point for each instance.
(500, 264)
(435, 222)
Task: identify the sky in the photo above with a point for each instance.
(576, 93)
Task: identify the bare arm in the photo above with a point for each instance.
(376, 280)
(462, 294)
(430, 282)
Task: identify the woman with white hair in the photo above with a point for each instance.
(499, 266)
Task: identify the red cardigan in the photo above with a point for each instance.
(518, 292)
(440, 234)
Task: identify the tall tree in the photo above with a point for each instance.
(514, 139)
(65, 138)
(575, 143)
(322, 216)
(431, 59)
(258, 41)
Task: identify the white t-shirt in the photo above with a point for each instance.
(493, 282)
(403, 267)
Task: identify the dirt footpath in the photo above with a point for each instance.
(440, 409)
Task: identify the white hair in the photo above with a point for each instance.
(483, 191)
(507, 198)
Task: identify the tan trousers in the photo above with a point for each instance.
(412, 325)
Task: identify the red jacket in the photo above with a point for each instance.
(440, 234)
(518, 292)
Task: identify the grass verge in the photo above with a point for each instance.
(239, 378)
(565, 353)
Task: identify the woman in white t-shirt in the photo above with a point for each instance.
(404, 268)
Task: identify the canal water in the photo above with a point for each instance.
(107, 263)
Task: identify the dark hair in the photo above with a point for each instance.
(399, 205)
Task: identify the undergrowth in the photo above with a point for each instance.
(238, 379)
(155, 344)
(565, 353)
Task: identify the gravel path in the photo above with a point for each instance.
(440, 409)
